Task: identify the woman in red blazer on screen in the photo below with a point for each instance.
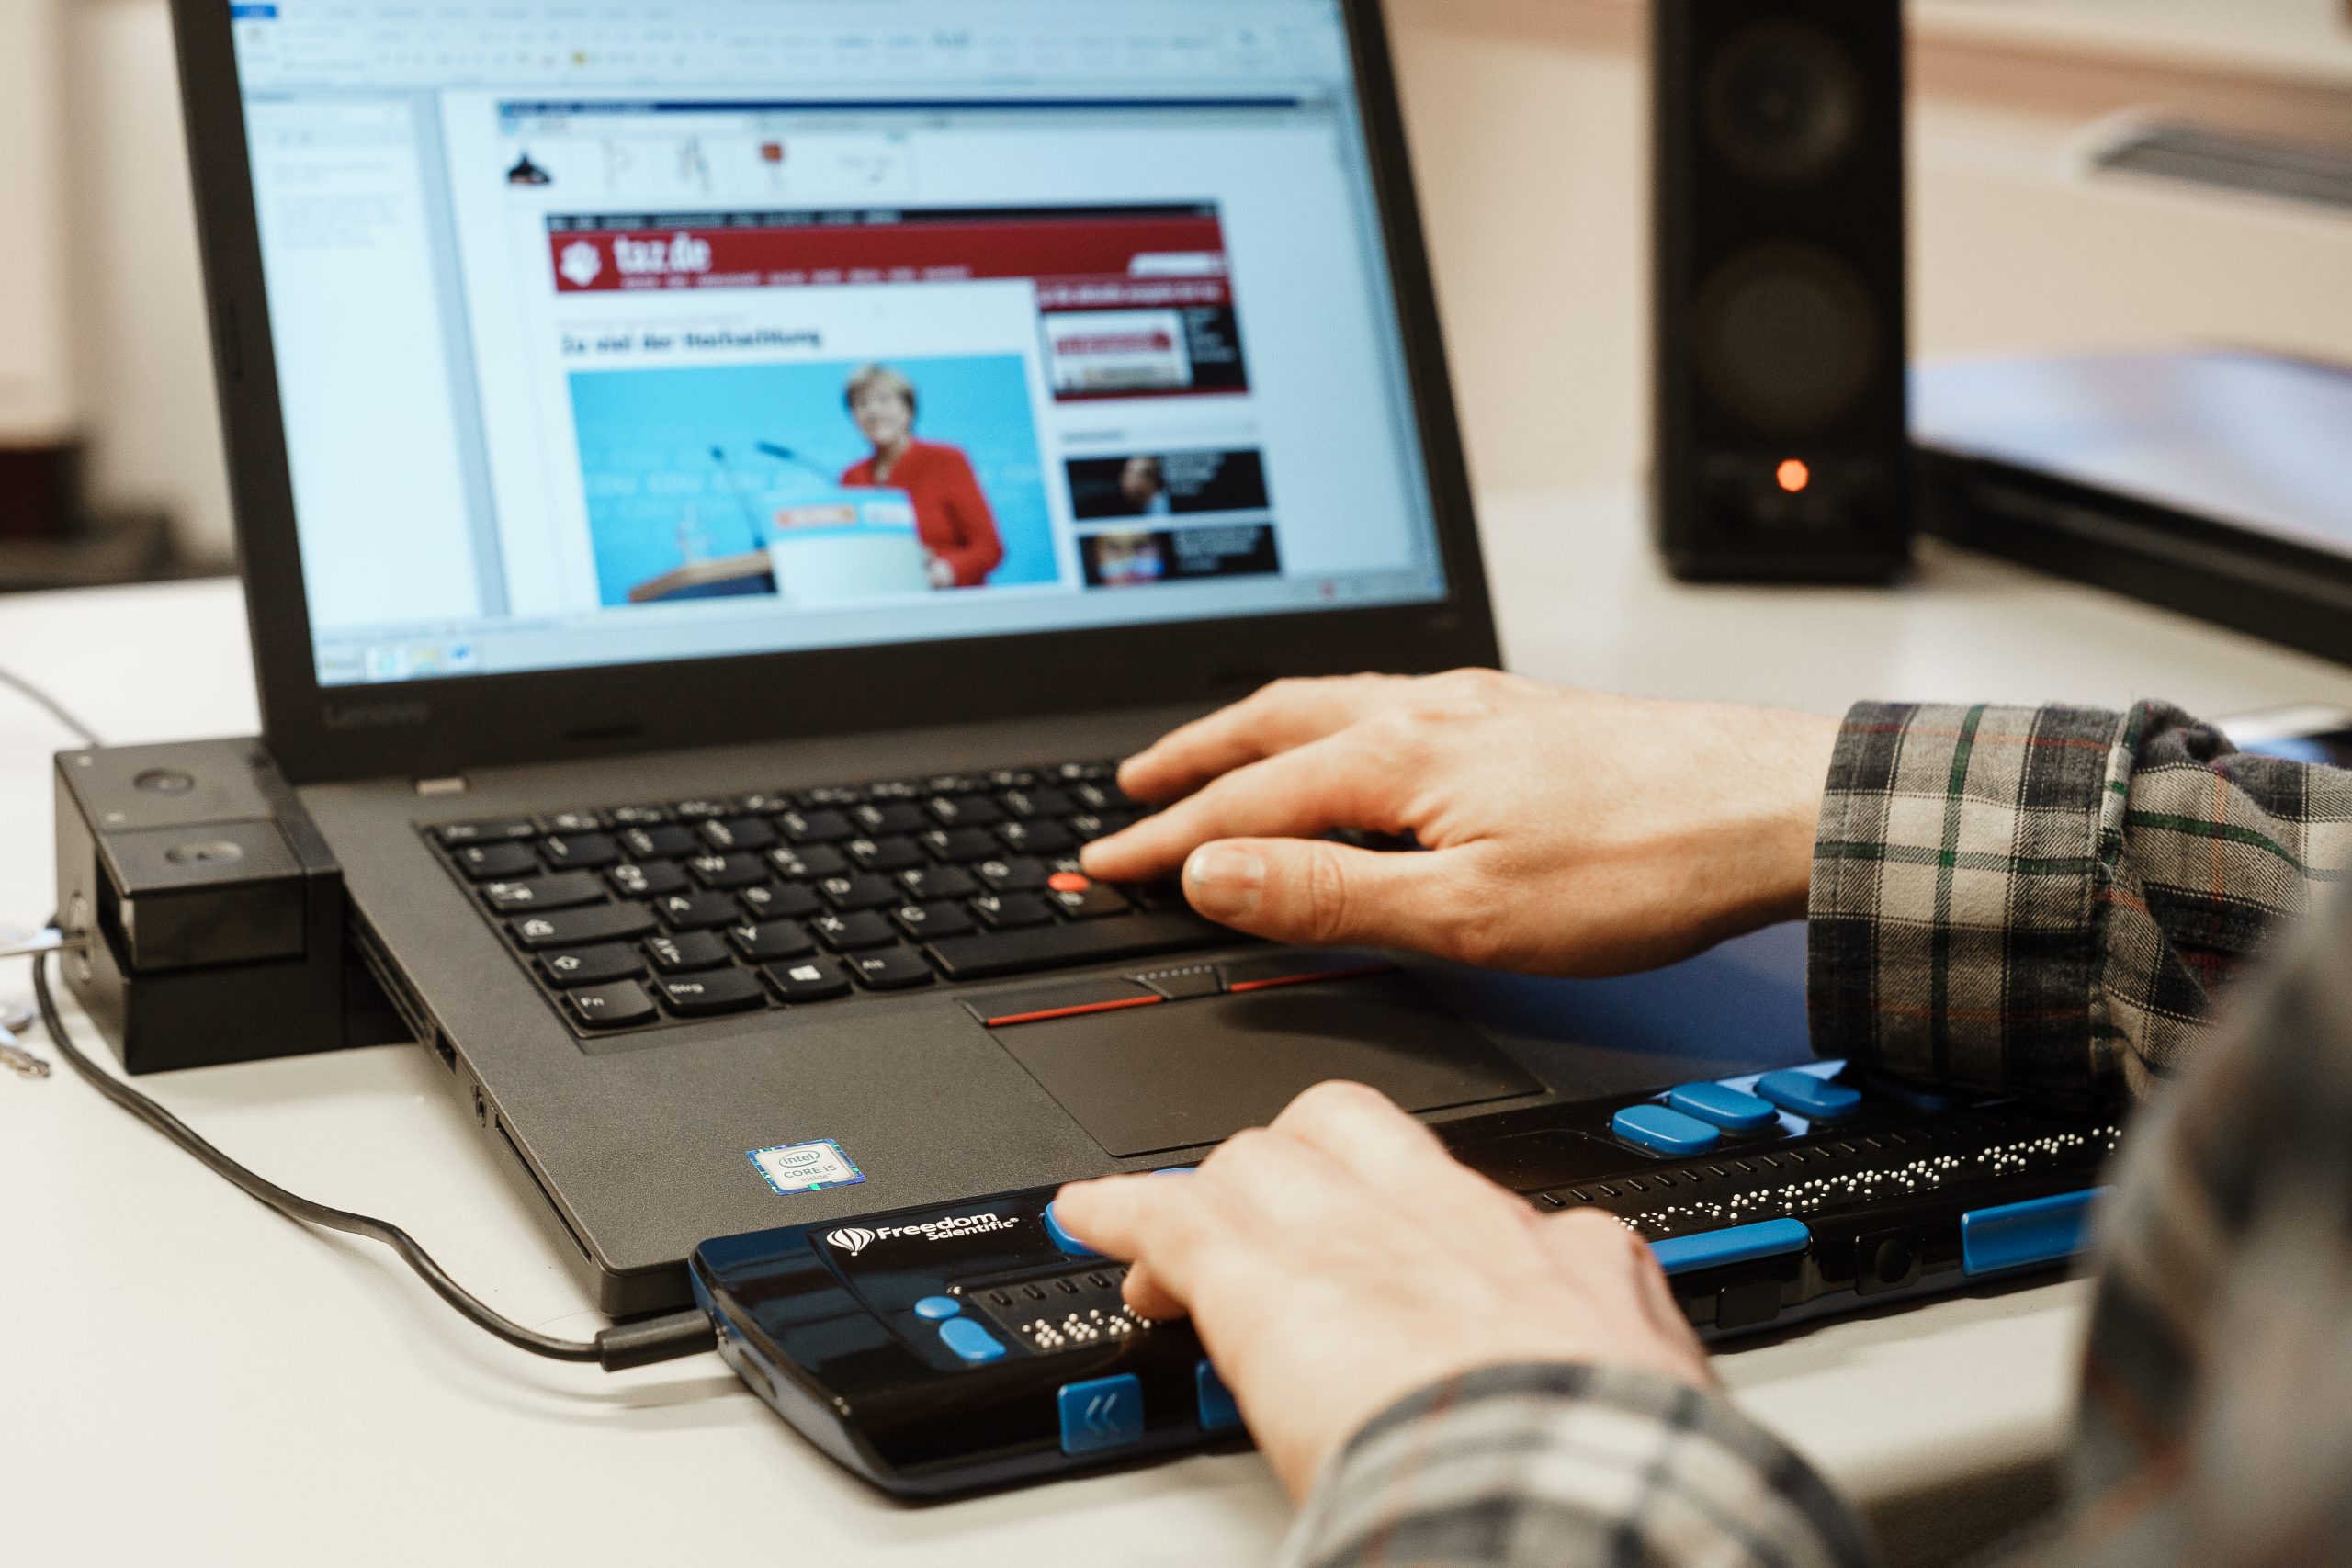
(952, 518)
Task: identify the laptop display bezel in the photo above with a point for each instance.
(447, 727)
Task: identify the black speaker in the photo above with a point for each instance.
(1780, 336)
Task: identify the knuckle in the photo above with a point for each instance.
(1337, 1102)
(1248, 1150)
(1322, 893)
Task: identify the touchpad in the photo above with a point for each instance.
(1196, 1072)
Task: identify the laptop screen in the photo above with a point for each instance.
(681, 329)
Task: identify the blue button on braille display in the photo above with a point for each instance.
(1219, 1412)
(937, 1308)
(1740, 1244)
(1809, 1095)
(1063, 1239)
(1101, 1414)
(1661, 1131)
(969, 1339)
(2018, 1235)
(1726, 1107)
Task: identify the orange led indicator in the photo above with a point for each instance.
(1794, 477)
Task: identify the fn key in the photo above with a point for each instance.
(611, 1007)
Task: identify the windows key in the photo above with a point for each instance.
(811, 980)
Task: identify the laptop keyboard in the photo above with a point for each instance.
(633, 917)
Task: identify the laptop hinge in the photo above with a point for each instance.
(454, 786)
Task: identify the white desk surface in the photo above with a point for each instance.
(184, 1378)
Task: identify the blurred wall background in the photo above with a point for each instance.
(1527, 122)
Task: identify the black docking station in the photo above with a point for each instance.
(205, 915)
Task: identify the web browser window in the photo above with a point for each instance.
(616, 333)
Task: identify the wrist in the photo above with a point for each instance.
(1762, 872)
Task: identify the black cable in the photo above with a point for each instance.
(51, 707)
(622, 1345)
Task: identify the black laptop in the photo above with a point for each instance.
(720, 483)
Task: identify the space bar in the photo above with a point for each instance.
(1082, 941)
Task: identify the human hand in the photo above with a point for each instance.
(1340, 1259)
(1568, 832)
(941, 575)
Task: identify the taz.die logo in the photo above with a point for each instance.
(581, 263)
(855, 1239)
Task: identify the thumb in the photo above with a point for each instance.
(1315, 893)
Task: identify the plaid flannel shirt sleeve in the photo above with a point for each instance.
(2047, 898)
(1542, 1466)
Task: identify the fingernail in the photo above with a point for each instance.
(1224, 883)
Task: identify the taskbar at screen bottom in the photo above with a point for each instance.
(724, 628)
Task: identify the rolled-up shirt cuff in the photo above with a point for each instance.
(1558, 1465)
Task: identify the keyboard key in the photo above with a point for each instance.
(497, 863)
(1088, 825)
(965, 811)
(894, 969)
(889, 817)
(724, 874)
(653, 881)
(791, 901)
(1013, 778)
(764, 803)
(638, 816)
(701, 811)
(582, 927)
(808, 862)
(773, 942)
(592, 966)
(850, 932)
(666, 842)
(1011, 912)
(1088, 941)
(567, 890)
(685, 952)
(923, 921)
(702, 995)
(1104, 796)
(884, 855)
(858, 892)
(1030, 804)
(959, 846)
(929, 883)
(456, 835)
(894, 789)
(1092, 902)
(696, 911)
(955, 783)
(815, 827)
(738, 833)
(580, 852)
(816, 980)
(1036, 838)
(829, 797)
(1012, 875)
(576, 822)
(612, 1006)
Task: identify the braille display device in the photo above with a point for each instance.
(964, 1346)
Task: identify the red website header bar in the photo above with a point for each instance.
(1078, 265)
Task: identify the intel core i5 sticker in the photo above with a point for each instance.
(806, 1168)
